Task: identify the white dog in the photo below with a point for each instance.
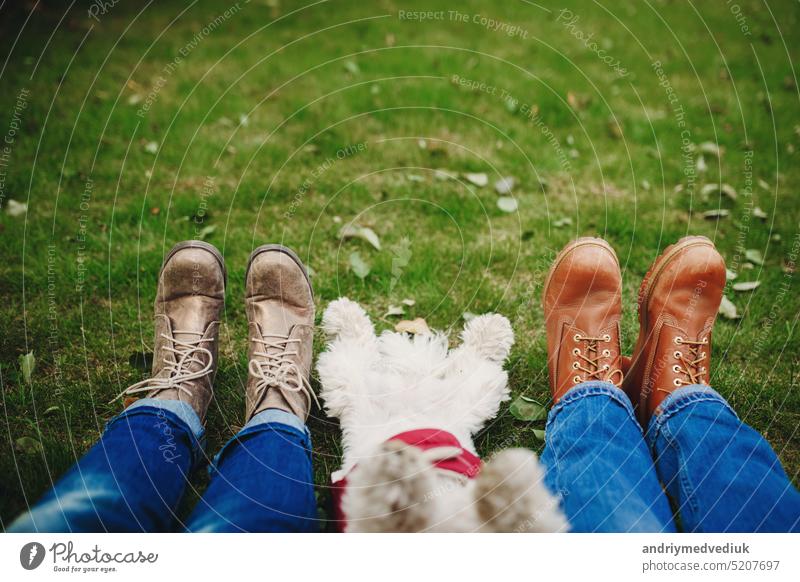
(408, 410)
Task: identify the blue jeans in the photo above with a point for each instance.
(133, 478)
(720, 474)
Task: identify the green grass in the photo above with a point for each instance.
(343, 73)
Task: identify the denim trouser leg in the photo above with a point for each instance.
(599, 463)
(261, 480)
(131, 480)
(722, 474)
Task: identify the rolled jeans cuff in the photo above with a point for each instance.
(269, 419)
(588, 390)
(169, 412)
(677, 401)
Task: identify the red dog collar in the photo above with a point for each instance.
(465, 463)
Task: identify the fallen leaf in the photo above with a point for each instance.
(423, 145)
(408, 302)
(351, 67)
(206, 231)
(394, 310)
(763, 184)
(746, 285)
(776, 238)
(754, 256)
(701, 165)
(507, 204)
(576, 102)
(134, 99)
(730, 275)
(614, 130)
(758, 213)
(151, 147)
(28, 445)
(723, 189)
(415, 178)
(504, 185)
(716, 214)
(468, 316)
(416, 326)
(363, 232)
(27, 363)
(479, 179)
(709, 147)
(561, 222)
(14, 208)
(727, 309)
(445, 175)
(539, 434)
(359, 267)
(524, 409)
(155, 211)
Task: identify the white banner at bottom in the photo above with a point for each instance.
(389, 557)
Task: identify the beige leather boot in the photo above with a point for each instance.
(280, 315)
(189, 301)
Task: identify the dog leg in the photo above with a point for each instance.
(391, 491)
(351, 351)
(510, 495)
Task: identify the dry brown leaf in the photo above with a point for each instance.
(416, 326)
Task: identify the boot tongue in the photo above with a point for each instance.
(187, 318)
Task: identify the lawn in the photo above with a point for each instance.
(129, 127)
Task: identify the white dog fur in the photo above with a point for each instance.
(381, 386)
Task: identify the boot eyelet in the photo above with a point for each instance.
(574, 365)
(576, 352)
(676, 382)
(677, 354)
(576, 379)
(678, 340)
(606, 367)
(606, 353)
(676, 369)
(577, 337)
(606, 338)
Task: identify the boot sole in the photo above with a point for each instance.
(197, 244)
(282, 249)
(585, 240)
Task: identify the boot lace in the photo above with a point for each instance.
(689, 365)
(278, 369)
(588, 361)
(186, 353)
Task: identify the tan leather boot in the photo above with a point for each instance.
(189, 301)
(280, 315)
(678, 303)
(582, 306)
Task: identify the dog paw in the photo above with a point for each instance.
(347, 319)
(490, 335)
(389, 491)
(511, 496)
